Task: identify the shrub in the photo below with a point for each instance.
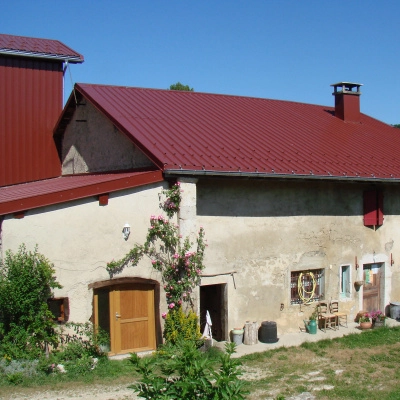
(14, 371)
(79, 351)
(179, 326)
(26, 282)
(182, 371)
(86, 340)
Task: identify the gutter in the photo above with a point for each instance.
(262, 175)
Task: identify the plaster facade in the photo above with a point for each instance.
(91, 143)
(264, 230)
(258, 232)
(80, 237)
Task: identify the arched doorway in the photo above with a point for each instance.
(127, 309)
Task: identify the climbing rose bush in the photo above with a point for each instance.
(173, 200)
(180, 266)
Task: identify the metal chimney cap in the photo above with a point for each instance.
(347, 87)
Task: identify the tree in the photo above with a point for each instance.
(180, 86)
(397, 126)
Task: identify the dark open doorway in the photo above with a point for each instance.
(213, 298)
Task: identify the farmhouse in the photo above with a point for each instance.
(283, 190)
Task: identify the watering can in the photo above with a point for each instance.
(311, 326)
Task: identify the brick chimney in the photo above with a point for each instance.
(347, 101)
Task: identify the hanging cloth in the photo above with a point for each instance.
(207, 333)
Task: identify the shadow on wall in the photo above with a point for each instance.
(279, 198)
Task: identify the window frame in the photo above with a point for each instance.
(61, 305)
(343, 293)
(319, 275)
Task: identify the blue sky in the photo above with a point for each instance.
(281, 49)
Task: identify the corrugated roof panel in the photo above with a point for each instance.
(201, 131)
(34, 47)
(66, 188)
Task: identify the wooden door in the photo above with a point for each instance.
(132, 318)
(371, 291)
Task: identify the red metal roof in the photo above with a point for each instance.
(203, 133)
(66, 188)
(42, 48)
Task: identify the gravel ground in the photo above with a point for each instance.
(119, 392)
(106, 393)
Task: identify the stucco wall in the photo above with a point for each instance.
(93, 144)
(264, 230)
(80, 237)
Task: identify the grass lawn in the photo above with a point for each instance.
(357, 366)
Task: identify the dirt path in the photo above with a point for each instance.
(97, 392)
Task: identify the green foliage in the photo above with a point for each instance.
(183, 372)
(173, 200)
(179, 326)
(79, 351)
(314, 315)
(14, 372)
(86, 340)
(26, 282)
(364, 318)
(397, 126)
(180, 86)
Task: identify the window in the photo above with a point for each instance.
(345, 281)
(305, 285)
(373, 208)
(59, 307)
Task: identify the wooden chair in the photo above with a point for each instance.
(325, 318)
(341, 317)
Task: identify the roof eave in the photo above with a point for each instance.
(56, 57)
(79, 192)
(262, 175)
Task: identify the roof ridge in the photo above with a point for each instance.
(185, 92)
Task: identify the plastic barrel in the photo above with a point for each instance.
(268, 332)
(395, 310)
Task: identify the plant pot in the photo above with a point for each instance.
(358, 284)
(237, 336)
(365, 325)
(379, 323)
